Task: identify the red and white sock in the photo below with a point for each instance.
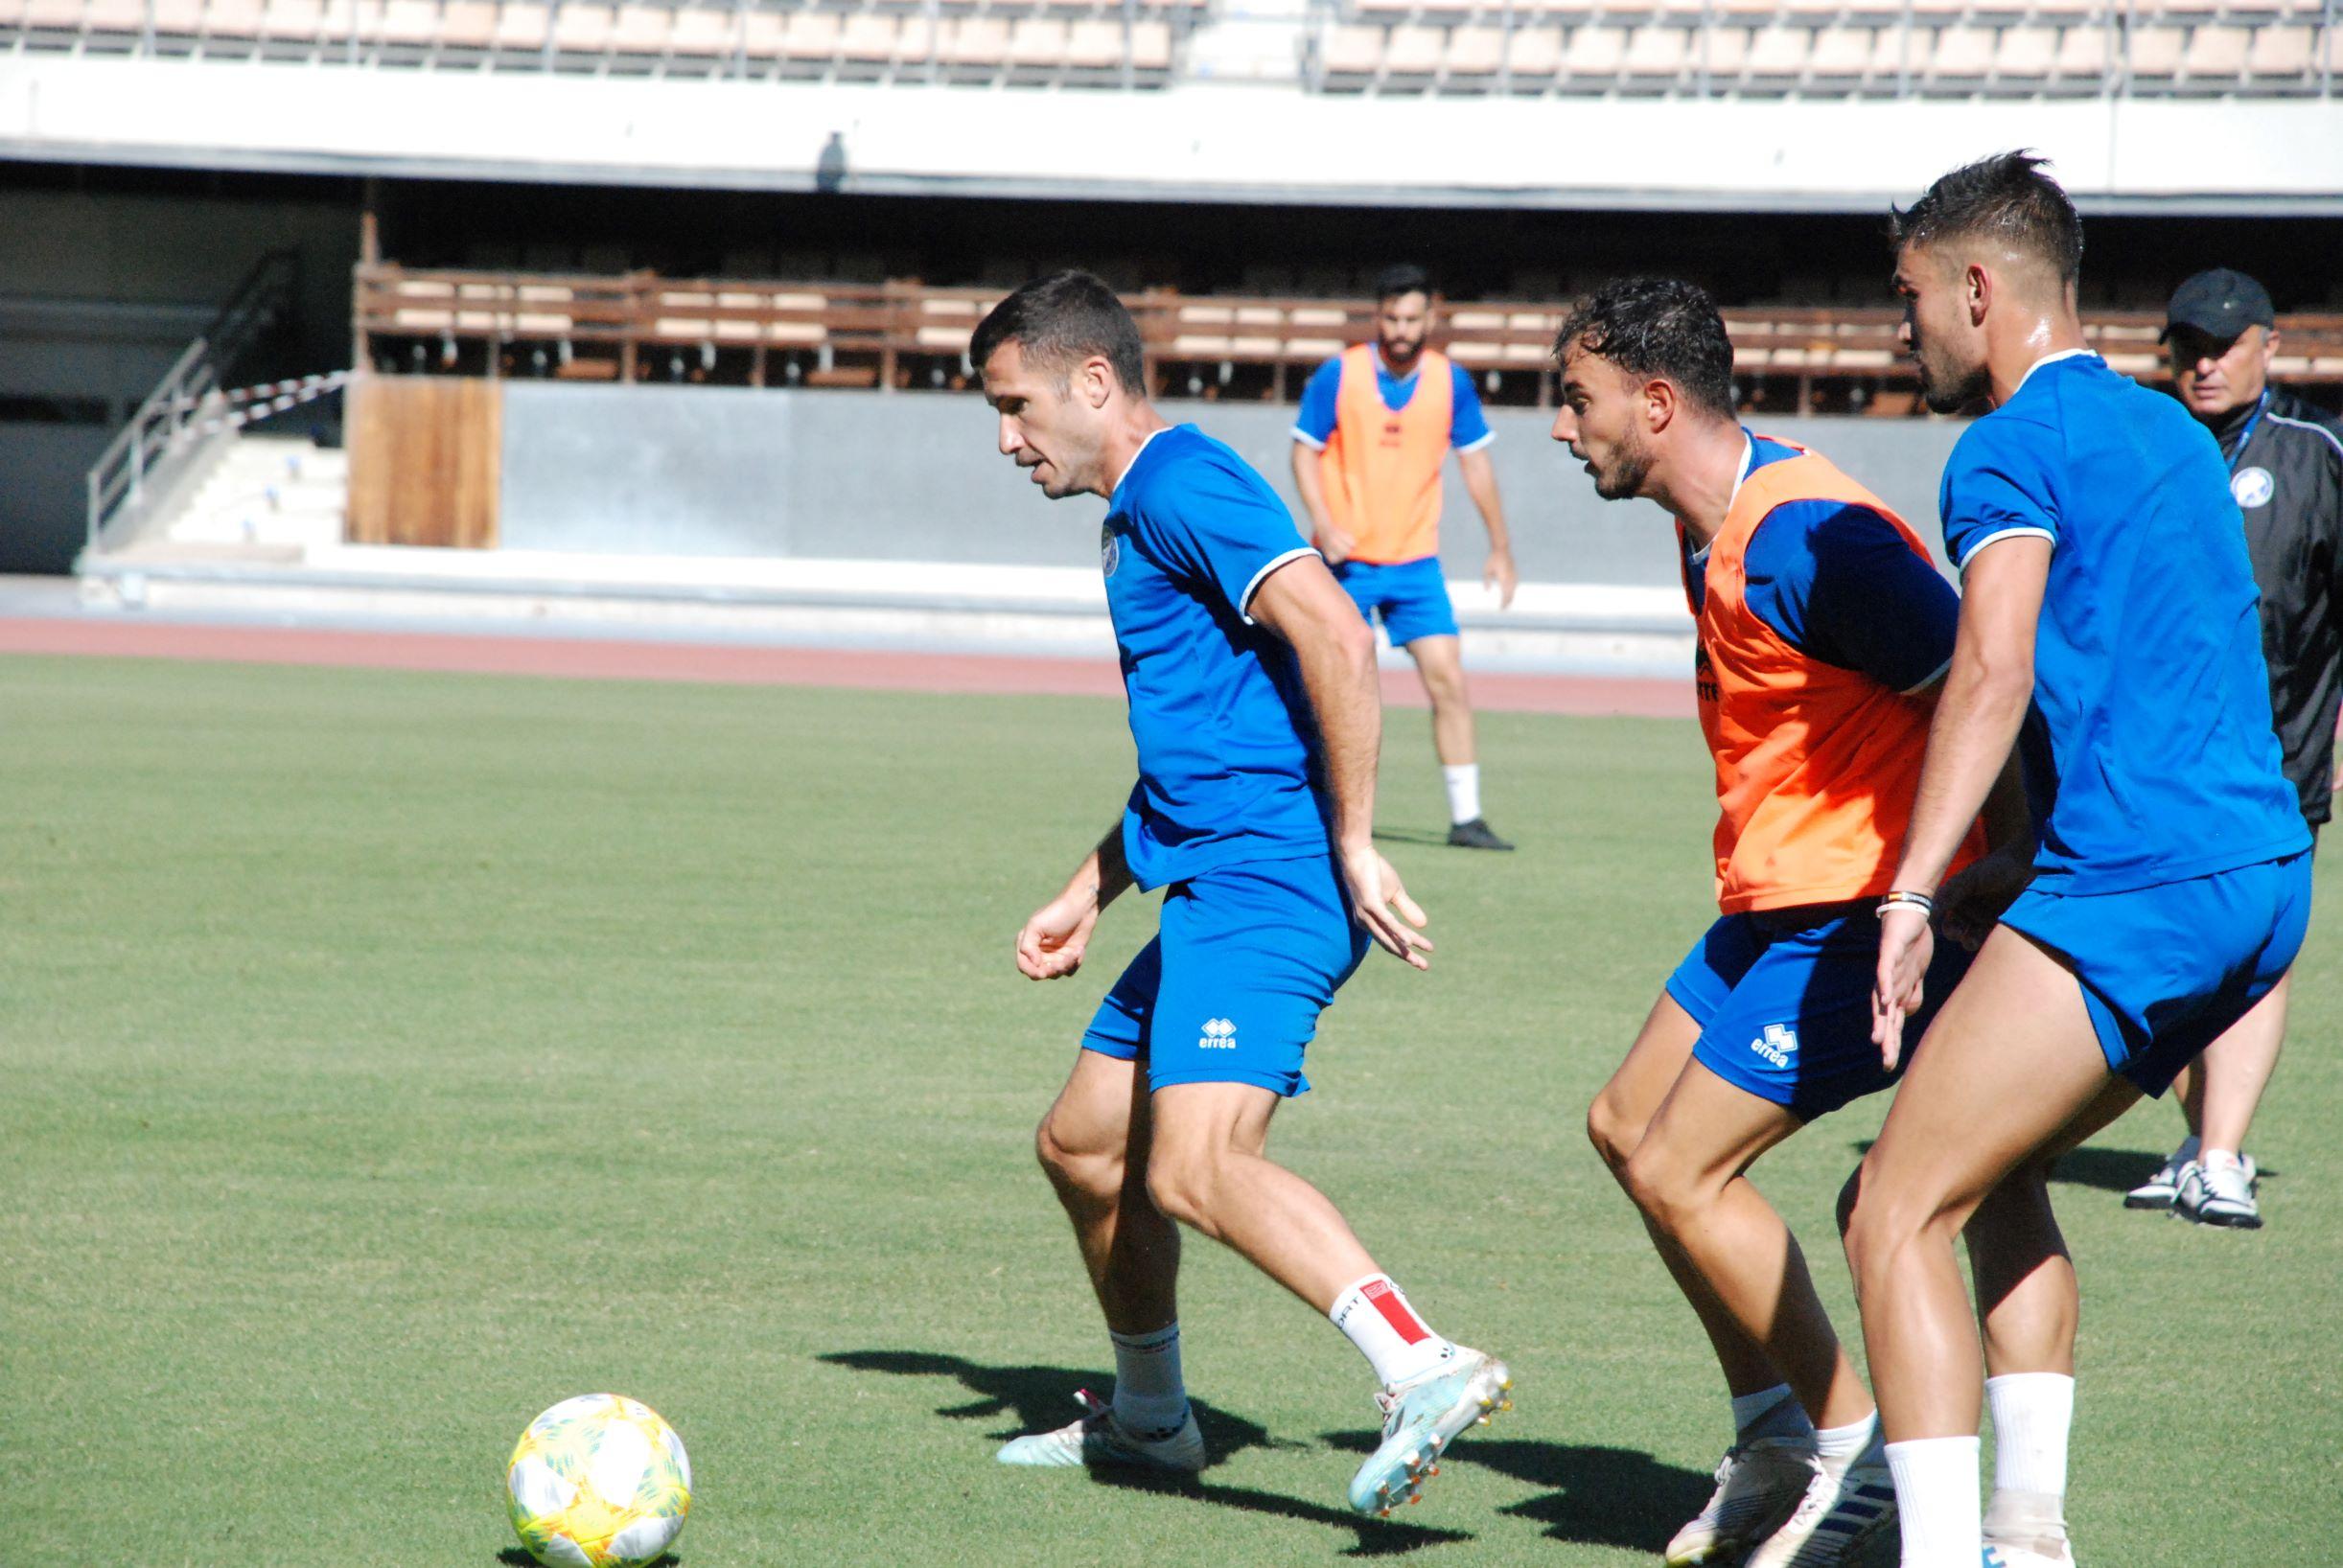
(1374, 1313)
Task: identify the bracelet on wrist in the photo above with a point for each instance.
(1900, 896)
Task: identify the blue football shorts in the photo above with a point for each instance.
(1410, 596)
(2167, 970)
(1783, 1001)
(1244, 958)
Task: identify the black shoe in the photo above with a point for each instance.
(1476, 834)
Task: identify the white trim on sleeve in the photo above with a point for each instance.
(1475, 446)
(1304, 438)
(1244, 600)
(2315, 429)
(2026, 531)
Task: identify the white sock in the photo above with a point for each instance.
(2032, 1413)
(1464, 791)
(1844, 1447)
(1936, 1496)
(1150, 1397)
(1375, 1315)
(2216, 1159)
(1771, 1413)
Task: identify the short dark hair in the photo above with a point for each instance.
(1662, 327)
(1406, 278)
(2007, 196)
(1060, 321)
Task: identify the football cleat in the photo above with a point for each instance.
(2221, 1195)
(2160, 1189)
(1420, 1418)
(1759, 1484)
(1475, 834)
(1834, 1523)
(1097, 1438)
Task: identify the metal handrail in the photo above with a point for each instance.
(155, 442)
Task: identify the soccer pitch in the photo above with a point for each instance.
(388, 1056)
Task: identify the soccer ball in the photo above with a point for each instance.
(598, 1482)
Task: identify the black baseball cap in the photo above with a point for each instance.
(2221, 303)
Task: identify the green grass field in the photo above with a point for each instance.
(389, 1056)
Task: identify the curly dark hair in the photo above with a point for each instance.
(1060, 321)
(1657, 327)
(2007, 196)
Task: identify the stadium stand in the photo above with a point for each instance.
(1832, 48)
(904, 336)
(1108, 43)
(1754, 48)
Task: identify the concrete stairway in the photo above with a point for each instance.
(263, 498)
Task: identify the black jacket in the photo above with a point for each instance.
(2288, 482)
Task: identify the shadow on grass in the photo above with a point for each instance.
(1037, 1398)
(2108, 1170)
(1410, 835)
(1599, 1496)
(519, 1559)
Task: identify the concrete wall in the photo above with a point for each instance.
(705, 471)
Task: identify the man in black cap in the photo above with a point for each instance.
(2286, 471)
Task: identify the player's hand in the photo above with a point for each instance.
(1375, 893)
(1905, 944)
(1335, 545)
(1970, 902)
(1499, 574)
(1051, 945)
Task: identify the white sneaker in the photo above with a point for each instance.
(2218, 1195)
(2160, 1189)
(1834, 1523)
(1759, 1484)
(1099, 1439)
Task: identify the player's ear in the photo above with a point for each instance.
(1660, 403)
(1096, 380)
(1977, 290)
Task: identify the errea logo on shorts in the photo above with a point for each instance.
(1219, 1034)
(1778, 1044)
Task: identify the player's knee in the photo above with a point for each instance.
(1614, 1129)
(1074, 1169)
(1659, 1183)
(1181, 1187)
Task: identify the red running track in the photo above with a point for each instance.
(609, 659)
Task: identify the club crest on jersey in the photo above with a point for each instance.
(1778, 1044)
(2253, 487)
(1219, 1034)
(1110, 550)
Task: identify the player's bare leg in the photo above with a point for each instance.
(1208, 1169)
(1093, 1145)
(1771, 1465)
(2218, 1093)
(1615, 1124)
(2028, 1307)
(1439, 662)
(2231, 1076)
(1828, 1493)
(2007, 1073)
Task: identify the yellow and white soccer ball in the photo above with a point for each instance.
(598, 1482)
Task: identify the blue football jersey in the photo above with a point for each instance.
(2150, 757)
(1228, 763)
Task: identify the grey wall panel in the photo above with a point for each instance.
(703, 470)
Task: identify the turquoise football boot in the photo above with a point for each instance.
(1420, 1418)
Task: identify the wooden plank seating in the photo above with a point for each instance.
(904, 334)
